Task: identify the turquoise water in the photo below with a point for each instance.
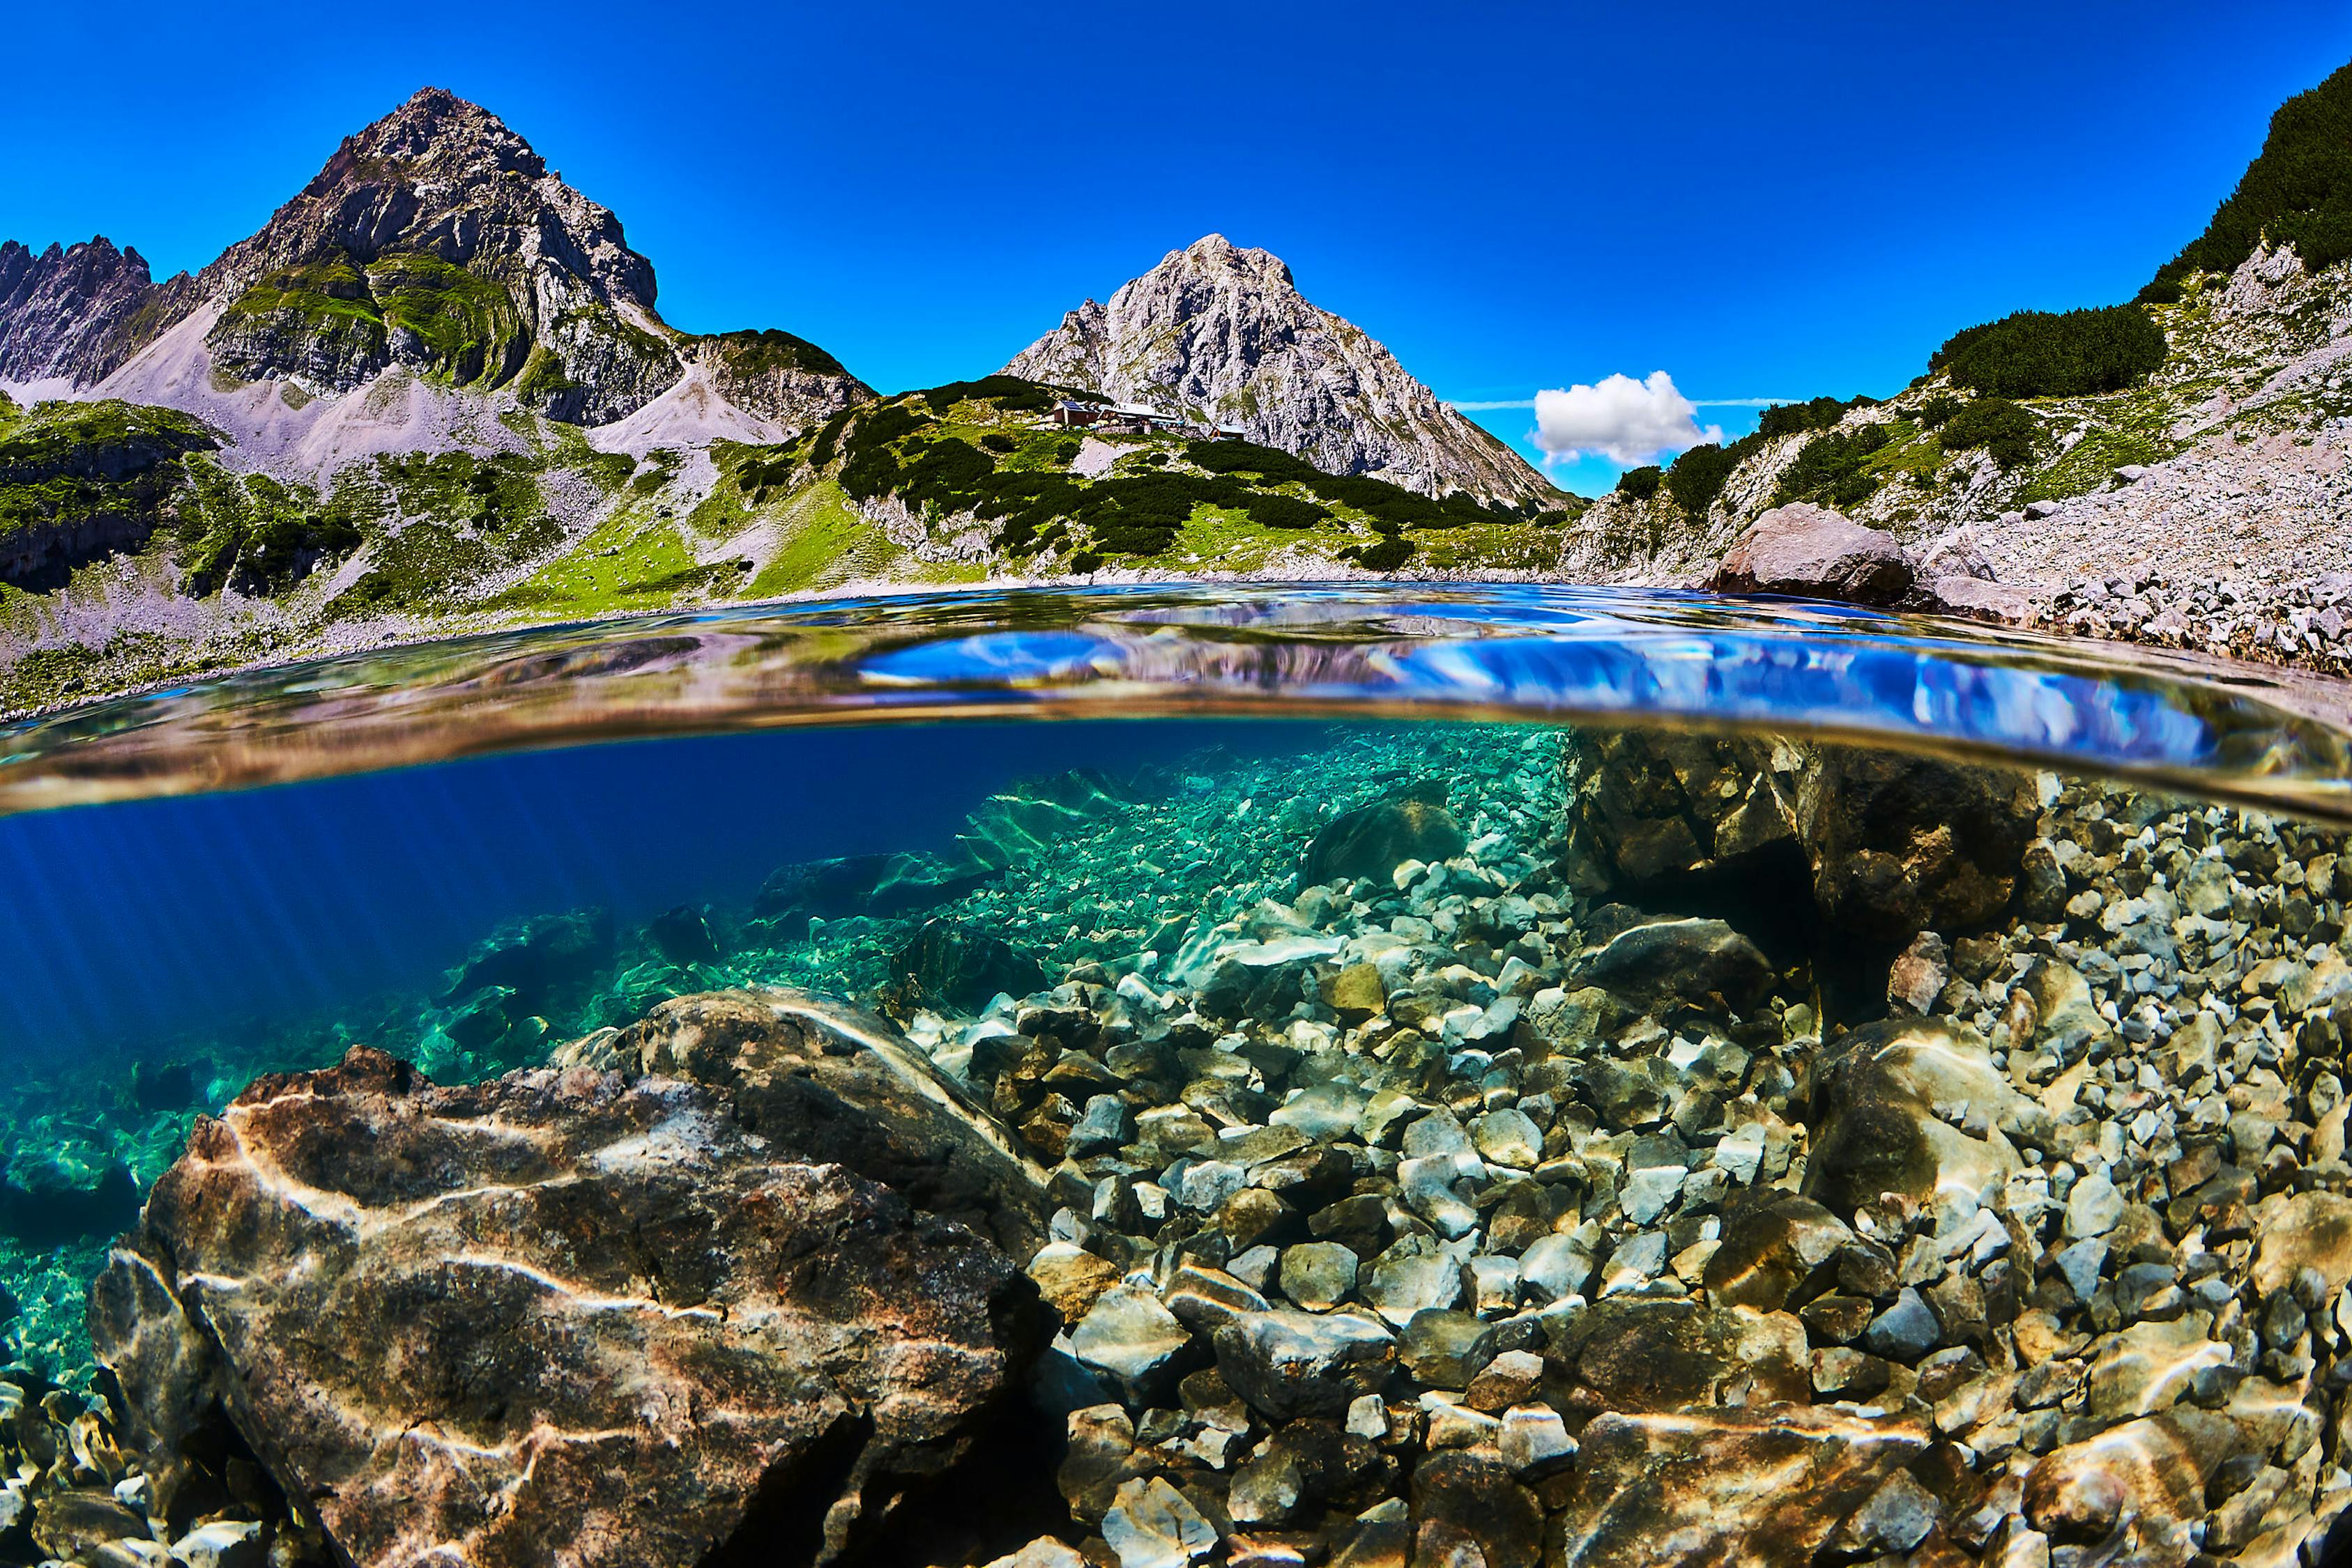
(1603, 894)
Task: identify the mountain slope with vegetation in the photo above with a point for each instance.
(2195, 443)
(955, 483)
(433, 395)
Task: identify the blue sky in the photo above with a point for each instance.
(1762, 201)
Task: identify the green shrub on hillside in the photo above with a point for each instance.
(1831, 469)
(2298, 188)
(1384, 502)
(1997, 426)
(1285, 512)
(1697, 478)
(1935, 410)
(768, 349)
(1640, 483)
(828, 438)
(1275, 467)
(2036, 353)
(1012, 393)
(1388, 555)
(1796, 418)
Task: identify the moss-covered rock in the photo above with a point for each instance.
(80, 480)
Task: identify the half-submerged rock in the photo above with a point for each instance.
(603, 1316)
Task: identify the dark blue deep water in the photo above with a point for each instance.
(127, 928)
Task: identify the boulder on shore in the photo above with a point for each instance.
(1815, 553)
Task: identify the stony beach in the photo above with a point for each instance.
(1470, 1145)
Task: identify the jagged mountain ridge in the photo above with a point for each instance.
(1221, 333)
(434, 243)
(70, 315)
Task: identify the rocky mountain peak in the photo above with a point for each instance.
(1213, 255)
(435, 124)
(1220, 332)
(447, 178)
(435, 241)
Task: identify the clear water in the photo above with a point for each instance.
(208, 885)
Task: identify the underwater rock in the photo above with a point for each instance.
(1373, 840)
(879, 885)
(1891, 844)
(1813, 552)
(1884, 1091)
(682, 935)
(1469, 1508)
(1772, 1249)
(1901, 844)
(1289, 1363)
(2144, 1481)
(483, 1021)
(539, 959)
(831, 1082)
(954, 967)
(1765, 1486)
(42, 1206)
(1646, 806)
(1634, 1354)
(81, 1525)
(564, 1315)
(1696, 963)
(162, 1085)
(2308, 1230)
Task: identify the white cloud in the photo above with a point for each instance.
(1625, 420)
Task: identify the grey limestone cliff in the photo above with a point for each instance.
(1220, 334)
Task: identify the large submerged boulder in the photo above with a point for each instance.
(1373, 840)
(1916, 1108)
(1765, 1485)
(1890, 844)
(641, 1312)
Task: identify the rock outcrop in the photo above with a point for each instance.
(1221, 334)
(80, 480)
(639, 1313)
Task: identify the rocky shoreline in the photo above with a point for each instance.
(1577, 1149)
